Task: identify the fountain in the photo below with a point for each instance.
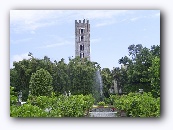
(100, 111)
(98, 87)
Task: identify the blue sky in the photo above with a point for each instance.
(52, 33)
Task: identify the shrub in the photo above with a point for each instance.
(61, 106)
(101, 103)
(138, 105)
(27, 110)
(13, 97)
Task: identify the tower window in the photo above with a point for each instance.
(82, 31)
(81, 47)
(82, 38)
(81, 55)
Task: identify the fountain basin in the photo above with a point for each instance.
(103, 111)
(103, 114)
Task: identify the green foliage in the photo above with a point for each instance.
(40, 83)
(27, 110)
(101, 103)
(74, 106)
(81, 76)
(138, 105)
(120, 75)
(142, 72)
(43, 78)
(20, 75)
(77, 76)
(61, 106)
(107, 81)
(108, 101)
(155, 76)
(13, 97)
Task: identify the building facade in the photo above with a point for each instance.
(82, 39)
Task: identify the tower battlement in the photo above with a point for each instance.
(84, 21)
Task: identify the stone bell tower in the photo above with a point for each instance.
(82, 39)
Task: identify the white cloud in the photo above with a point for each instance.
(123, 20)
(31, 20)
(57, 44)
(20, 57)
(20, 40)
(30, 16)
(17, 58)
(144, 17)
(105, 23)
(32, 32)
(103, 14)
(134, 19)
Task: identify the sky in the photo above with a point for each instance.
(52, 33)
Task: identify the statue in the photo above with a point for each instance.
(65, 93)
(69, 93)
(20, 96)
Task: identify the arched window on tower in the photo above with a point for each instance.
(81, 55)
(81, 47)
(82, 38)
(82, 31)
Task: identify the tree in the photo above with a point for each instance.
(60, 77)
(41, 83)
(134, 50)
(155, 76)
(81, 74)
(21, 73)
(138, 75)
(124, 60)
(155, 50)
(138, 63)
(107, 81)
(20, 77)
(120, 75)
(77, 76)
